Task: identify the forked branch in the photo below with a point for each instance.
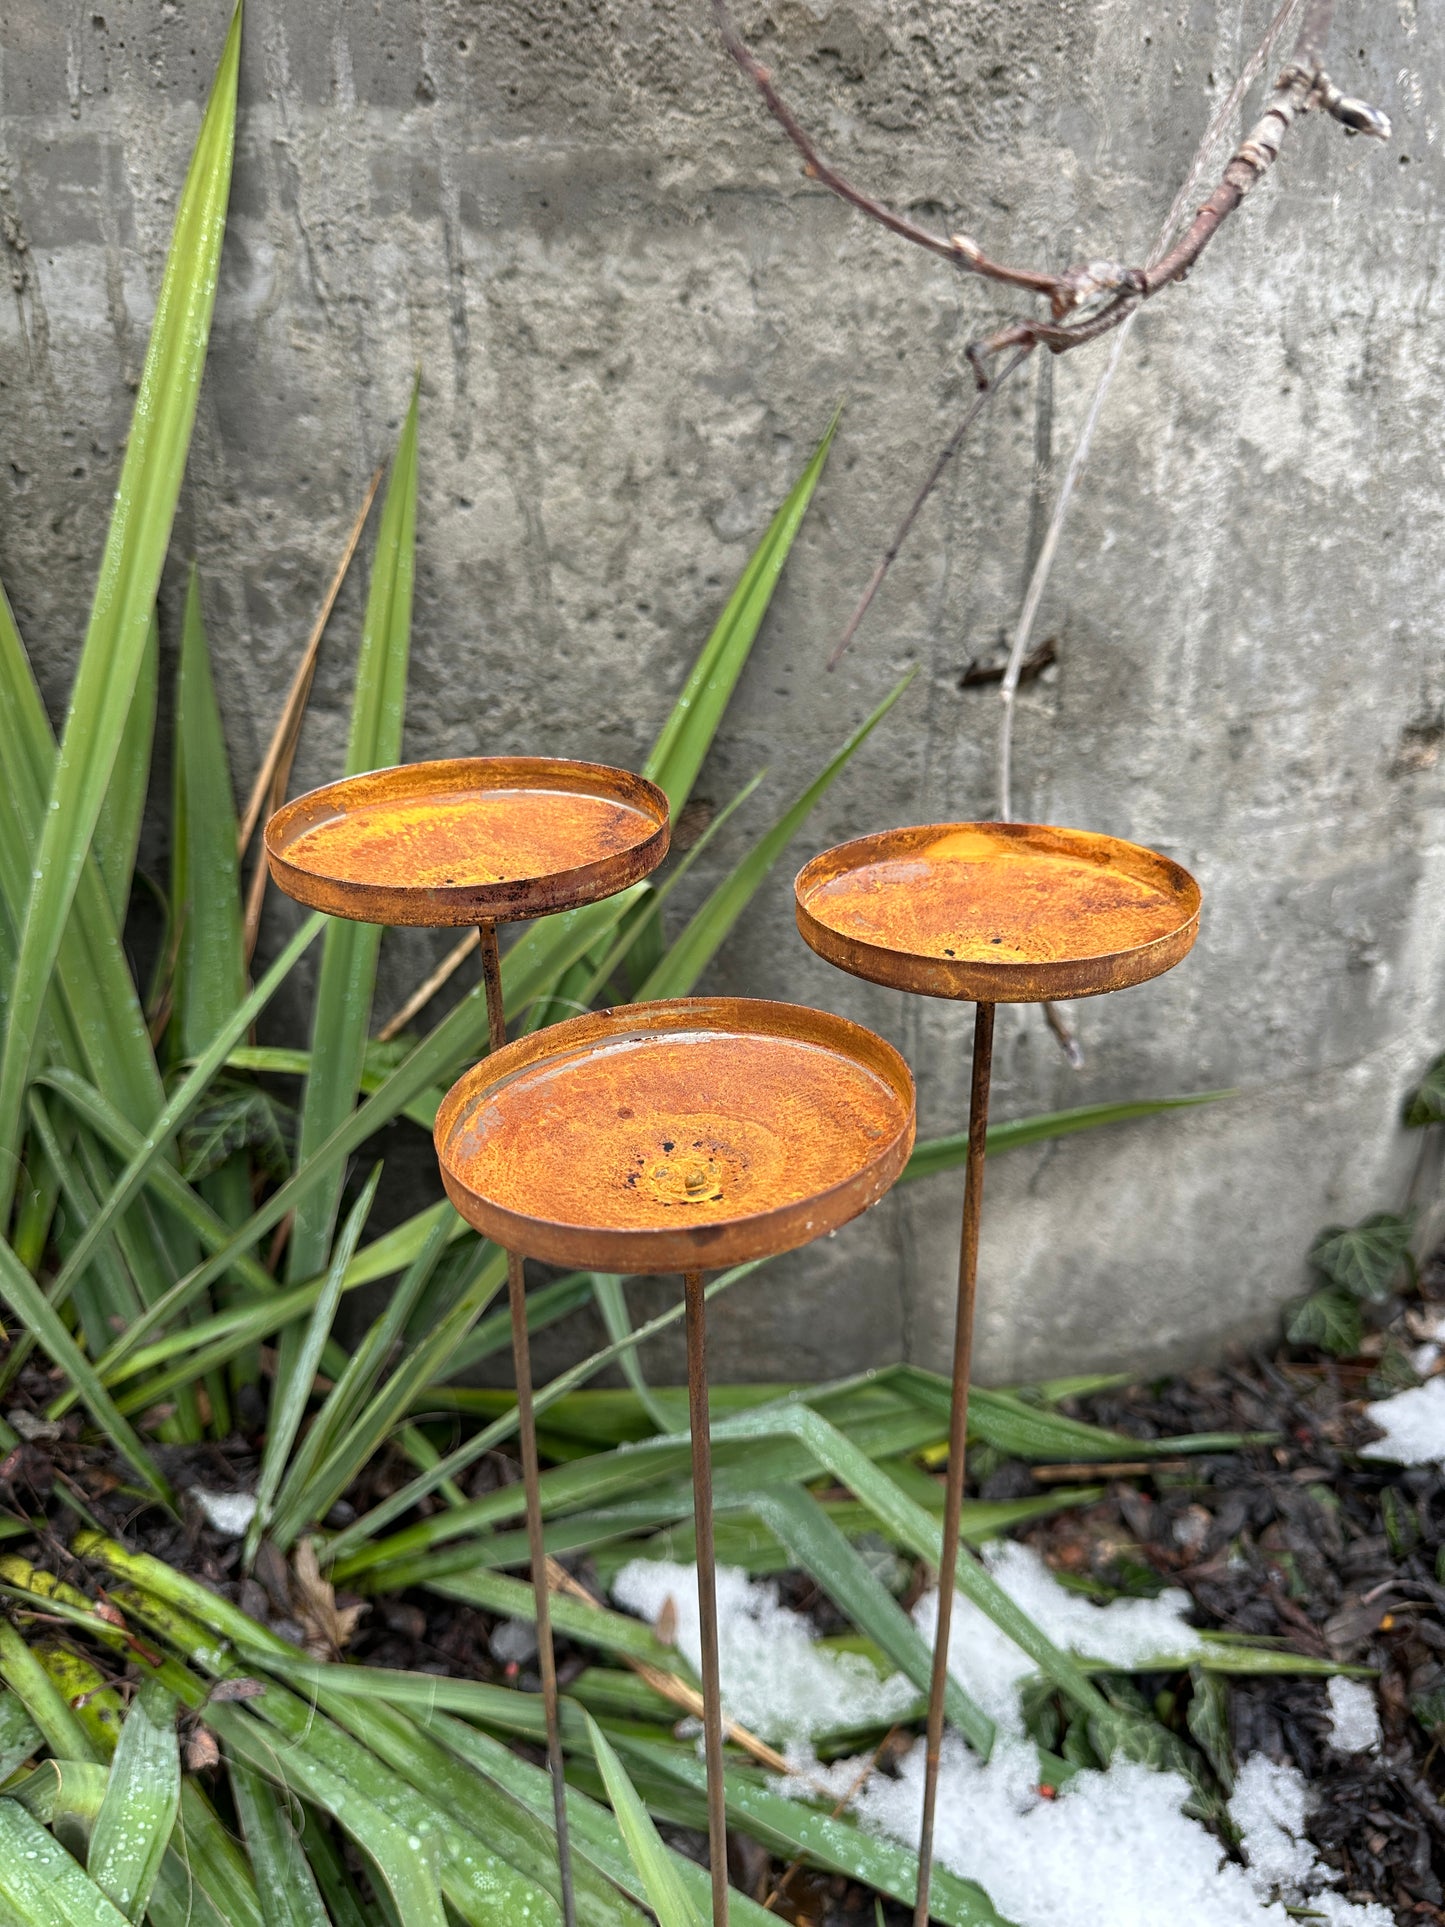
(1091, 298)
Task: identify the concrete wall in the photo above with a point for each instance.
(634, 318)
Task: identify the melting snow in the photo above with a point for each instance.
(228, 1512)
(1354, 1716)
(1413, 1424)
(776, 1680)
(988, 1665)
(1111, 1849)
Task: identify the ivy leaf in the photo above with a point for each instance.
(1426, 1104)
(1039, 1706)
(1208, 1718)
(1364, 1257)
(1120, 1733)
(1330, 1319)
(1429, 1706)
(240, 1118)
(1393, 1371)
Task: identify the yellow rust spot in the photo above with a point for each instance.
(468, 837)
(696, 1126)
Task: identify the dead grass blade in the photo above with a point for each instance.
(268, 792)
(423, 994)
(668, 1685)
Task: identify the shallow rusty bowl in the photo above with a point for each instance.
(474, 839)
(1003, 913)
(677, 1136)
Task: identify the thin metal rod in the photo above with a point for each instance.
(527, 1438)
(957, 1436)
(712, 1725)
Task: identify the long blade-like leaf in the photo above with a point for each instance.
(288, 1406)
(115, 642)
(943, 1153)
(117, 833)
(666, 1894)
(816, 1544)
(186, 1097)
(791, 1828)
(689, 956)
(133, 1827)
(289, 1897)
(206, 890)
(40, 1884)
(687, 735)
(342, 1016)
(39, 1316)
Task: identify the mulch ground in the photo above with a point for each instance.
(1302, 1542)
(1306, 1543)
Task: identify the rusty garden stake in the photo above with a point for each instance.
(480, 840)
(992, 913)
(697, 1409)
(676, 1137)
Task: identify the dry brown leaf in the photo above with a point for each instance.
(327, 1626)
(666, 1627)
(202, 1750)
(237, 1689)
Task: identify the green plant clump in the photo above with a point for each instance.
(183, 1229)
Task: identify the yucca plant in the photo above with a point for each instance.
(178, 1253)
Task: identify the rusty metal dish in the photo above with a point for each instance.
(472, 839)
(1003, 913)
(676, 1136)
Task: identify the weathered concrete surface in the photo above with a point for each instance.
(633, 319)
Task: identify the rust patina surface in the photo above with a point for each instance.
(676, 1136)
(1007, 913)
(469, 840)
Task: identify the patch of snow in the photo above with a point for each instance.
(776, 1679)
(1110, 1849)
(1336, 1911)
(1354, 1716)
(1414, 1426)
(514, 1642)
(988, 1665)
(1269, 1805)
(228, 1513)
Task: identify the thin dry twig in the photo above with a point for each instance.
(935, 475)
(268, 792)
(1118, 290)
(1045, 551)
(668, 1684)
(282, 742)
(956, 248)
(1116, 287)
(865, 1773)
(424, 992)
(1048, 549)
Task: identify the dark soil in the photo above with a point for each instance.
(1302, 1542)
(1306, 1543)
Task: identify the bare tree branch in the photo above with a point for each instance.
(935, 475)
(1044, 552)
(1118, 289)
(956, 248)
(1048, 549)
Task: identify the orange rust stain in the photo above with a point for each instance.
(682, 1128)
(979, 898)
(468, 837)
